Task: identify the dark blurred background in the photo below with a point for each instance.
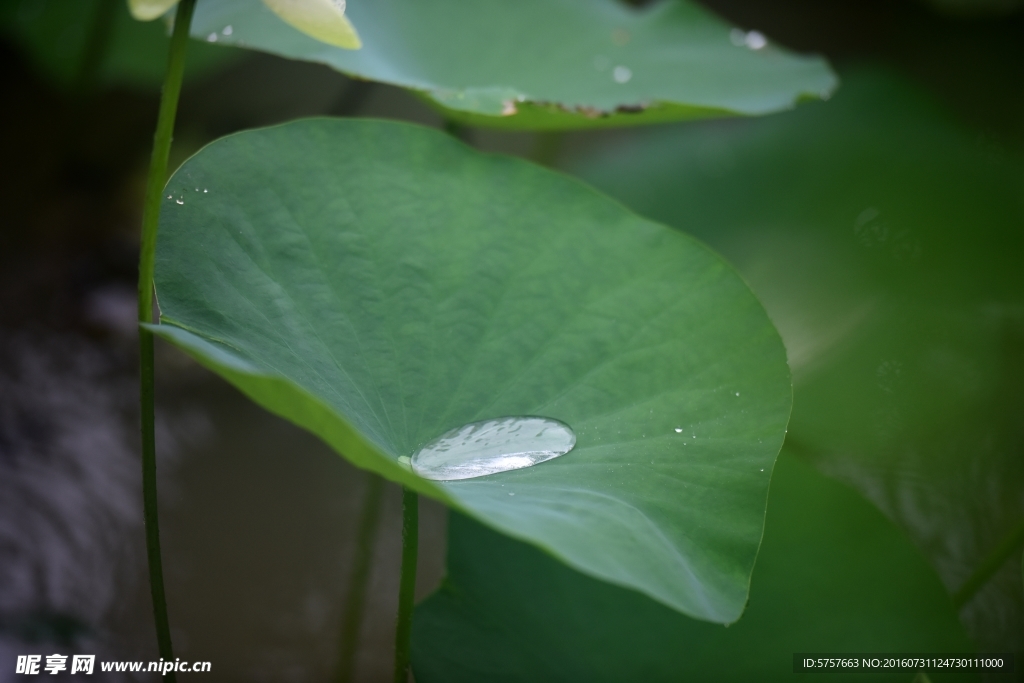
(259, 518)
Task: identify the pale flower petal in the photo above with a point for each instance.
(324, 20)
(148, 10)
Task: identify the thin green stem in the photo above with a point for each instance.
(353, 615)
(407, 587)
(150, 216)
(992, 563)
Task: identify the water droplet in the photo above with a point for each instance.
(755, 40)
(622, 74)
(762, 469)
(737, 393)
(205, 191)
(492, 446)
(227, 30)
(179, 201)
(511, 494)
(679, 430)
(212, 38)
(170, 196)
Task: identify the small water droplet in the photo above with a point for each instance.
(491, 446)
(511, 494)
(622, 74)
(756, 40)
(205, 191)
(170, 196)
(762, 469)
(212, 38)
(179, 201)
(737, 393)
(679, 430)
(227, 30)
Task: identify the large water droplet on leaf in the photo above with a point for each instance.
(492, 446)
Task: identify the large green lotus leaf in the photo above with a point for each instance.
(381, 283)
(56, 35)
(885, 241)
(833, 576)
(546, 64)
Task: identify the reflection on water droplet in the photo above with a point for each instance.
(621, 74)
(212, 38)
(227, 30)
(179, 201)
(679, 430)
(737, 393)
(492, 446)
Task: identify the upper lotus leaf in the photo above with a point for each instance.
(548, 64)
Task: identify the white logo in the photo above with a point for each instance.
(82, 664)
(28, 664)
(55, 663)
